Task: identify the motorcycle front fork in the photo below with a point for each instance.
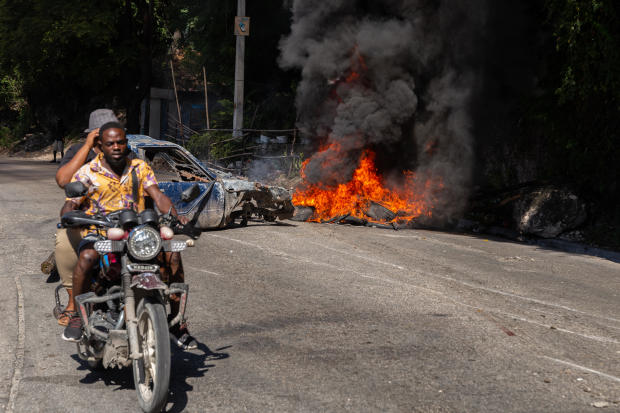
(130, 312)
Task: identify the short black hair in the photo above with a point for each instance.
(110, 125)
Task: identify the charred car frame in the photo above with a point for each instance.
(208, 197)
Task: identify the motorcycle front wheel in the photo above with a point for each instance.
(151, 373)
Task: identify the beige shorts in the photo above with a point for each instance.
(59, 146)
(67, 241)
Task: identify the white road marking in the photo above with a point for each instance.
(19, 350)
(439, 242)
(202, 270)
(364, 257)
(536, 323)
(392, 281)
(521, 297)
(589, 370)
(479, 287)
(279, 253)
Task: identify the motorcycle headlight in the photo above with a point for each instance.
(144, 243)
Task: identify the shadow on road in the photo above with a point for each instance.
(122, 378)
(551, 244)
(189, 364)
(185, 364)
(507, 236)
(53, 277)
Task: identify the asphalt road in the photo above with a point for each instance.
(302, 317)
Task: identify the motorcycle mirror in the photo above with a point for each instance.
(75, 189)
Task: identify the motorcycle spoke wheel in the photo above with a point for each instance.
(152, 370)
(149, 356)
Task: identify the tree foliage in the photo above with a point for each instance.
(209, 41)
(72, 56)
(66, 58)
(582, 110)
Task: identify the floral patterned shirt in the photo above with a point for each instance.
(107, 192)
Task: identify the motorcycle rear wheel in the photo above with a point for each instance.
(151, 373)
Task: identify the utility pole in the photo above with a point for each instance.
(242, 29)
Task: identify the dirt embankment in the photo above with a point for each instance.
(34, 146)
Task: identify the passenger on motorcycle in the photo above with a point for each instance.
(108, 178)
(68, 239)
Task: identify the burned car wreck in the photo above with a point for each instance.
(209, 198)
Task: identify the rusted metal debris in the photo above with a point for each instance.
(336, 219)
(352, 220)
(192, 177)
(378, 212)
(303, 213)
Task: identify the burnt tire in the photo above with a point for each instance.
(151, 373)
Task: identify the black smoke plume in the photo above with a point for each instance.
(395, 76)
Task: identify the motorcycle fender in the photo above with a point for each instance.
(147, 281)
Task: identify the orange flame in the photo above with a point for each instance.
(366, 185)
(409, 200)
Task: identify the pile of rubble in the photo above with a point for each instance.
(544, 212)
(375, 215)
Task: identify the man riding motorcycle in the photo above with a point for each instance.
(109, 178)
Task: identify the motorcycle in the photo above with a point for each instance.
(124, 316)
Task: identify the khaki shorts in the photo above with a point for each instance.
(67, 242)
(59, 146)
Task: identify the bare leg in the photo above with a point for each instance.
(172, 272)
(70, 304)
(87, 259)
(67, 241)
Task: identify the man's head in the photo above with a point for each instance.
(113, 144)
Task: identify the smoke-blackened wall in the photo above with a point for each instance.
(394, 76)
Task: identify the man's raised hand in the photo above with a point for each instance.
(90, 139)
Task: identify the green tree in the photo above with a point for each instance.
(75, 55)
(583, 117)
(209, 41)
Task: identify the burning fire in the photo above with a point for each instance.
(411, 199)
(366, 186)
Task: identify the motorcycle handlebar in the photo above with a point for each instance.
(80, 219)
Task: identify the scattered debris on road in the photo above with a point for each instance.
(600, 404)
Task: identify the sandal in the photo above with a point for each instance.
(65, 316)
